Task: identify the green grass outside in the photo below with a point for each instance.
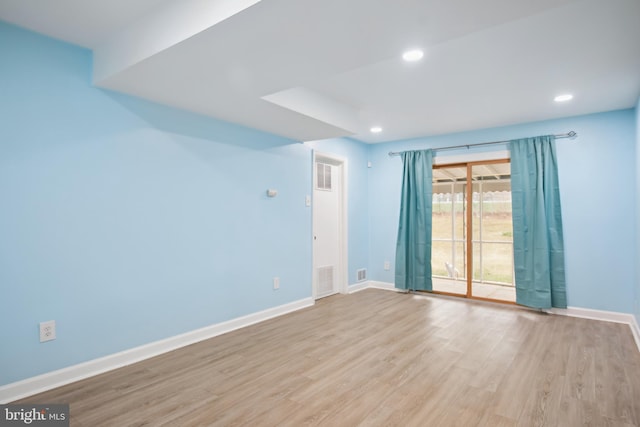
(496, 227)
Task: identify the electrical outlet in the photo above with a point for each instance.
(276, 283)
(387, 265)
(47, 331)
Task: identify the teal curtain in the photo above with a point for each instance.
(413, 250)
(537, 223)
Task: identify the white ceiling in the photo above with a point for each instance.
(316, 69)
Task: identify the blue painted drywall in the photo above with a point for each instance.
(596, 172)
(357, 154)
(128, 222)
(637, 294)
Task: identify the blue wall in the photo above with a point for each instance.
(128, 222)
(596, 172)
(356, 154)
(637, 294)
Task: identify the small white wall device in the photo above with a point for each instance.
(272, 193)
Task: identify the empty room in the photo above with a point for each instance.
(337, 213)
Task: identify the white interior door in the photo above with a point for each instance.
(328, 244)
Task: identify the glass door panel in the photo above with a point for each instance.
(448, 254)
(492, 232)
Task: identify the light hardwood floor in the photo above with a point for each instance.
(379, 358)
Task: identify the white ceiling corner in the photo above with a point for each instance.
(326, 68)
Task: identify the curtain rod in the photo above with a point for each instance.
(571, 135)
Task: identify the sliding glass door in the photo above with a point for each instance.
(448, 224)
(472, 243)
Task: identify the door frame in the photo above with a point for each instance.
(469, 160)
(342, 273)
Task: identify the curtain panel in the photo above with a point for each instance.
(413, 249)
(537, 224)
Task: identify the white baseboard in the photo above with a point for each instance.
(588, 313)
(607, 316)
(635, 330)
(372, 284)
(358, 287)
(384, 285)
(60, 377)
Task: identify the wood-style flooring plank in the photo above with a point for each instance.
(379, 358)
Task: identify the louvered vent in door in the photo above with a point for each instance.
(323, 178)
(325, 281)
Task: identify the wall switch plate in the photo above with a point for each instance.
(307, 201)
(47, 331)
(387, 265)
(276, 283)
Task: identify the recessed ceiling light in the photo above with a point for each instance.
(413, 55)
(376, 129)
(563, 98)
